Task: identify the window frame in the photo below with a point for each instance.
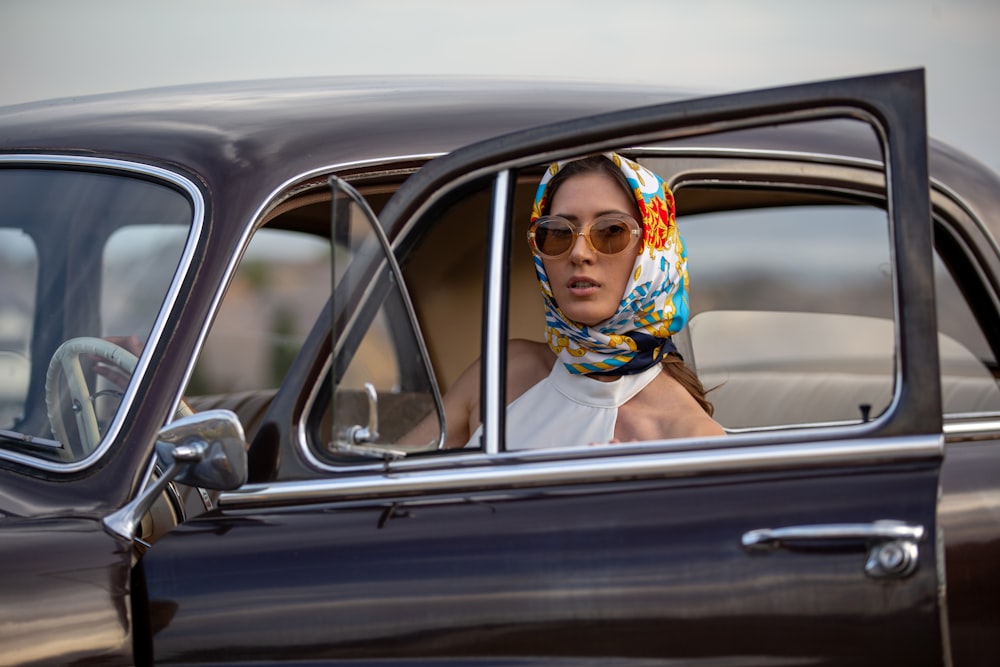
(195, 197)
(867, 98)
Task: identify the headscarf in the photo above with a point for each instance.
(655, 303)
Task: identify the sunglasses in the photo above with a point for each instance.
(553, 236)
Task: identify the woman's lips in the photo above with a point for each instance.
(582, 286)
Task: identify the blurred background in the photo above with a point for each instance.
(57, 48)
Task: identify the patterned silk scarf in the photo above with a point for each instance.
(655, 303)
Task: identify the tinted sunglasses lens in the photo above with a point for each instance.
(553, 236)
(612, 235)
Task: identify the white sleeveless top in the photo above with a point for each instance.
(566, 410)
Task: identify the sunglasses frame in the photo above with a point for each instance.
(635, 229)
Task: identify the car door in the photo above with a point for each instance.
(779, 546)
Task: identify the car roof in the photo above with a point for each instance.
(259, 134)
(265, 124)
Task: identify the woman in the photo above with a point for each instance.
(612, 269)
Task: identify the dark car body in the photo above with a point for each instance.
(851, 516)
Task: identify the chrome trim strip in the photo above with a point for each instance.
(941, 570)
(492, 379)
(755, 153)
(977, 423)
(976, 427)
(779, 184)
(966, 207)
(300, 426)
(170, 300)
(497, 473)
(774, 182)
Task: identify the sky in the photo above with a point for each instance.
(57, 48)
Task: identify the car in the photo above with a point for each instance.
(225, 308)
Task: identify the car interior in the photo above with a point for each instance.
(791, 299)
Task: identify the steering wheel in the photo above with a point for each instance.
(66, 361)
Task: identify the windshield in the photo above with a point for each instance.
(86, 259)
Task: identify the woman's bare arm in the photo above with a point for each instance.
(527, 363)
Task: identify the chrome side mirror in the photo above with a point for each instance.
(207, 449)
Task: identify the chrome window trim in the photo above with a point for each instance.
(778, 184)
(496, 287)
(965, 207)
(967, 427)
(775, 183)
(302, 435)
(756, 154)
(496, 473)
(197, 225)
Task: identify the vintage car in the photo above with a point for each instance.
(224, 309)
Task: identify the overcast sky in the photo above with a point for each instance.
(54, 48)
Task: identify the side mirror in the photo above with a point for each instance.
(207, 449)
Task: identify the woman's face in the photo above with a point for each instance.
(587, 285)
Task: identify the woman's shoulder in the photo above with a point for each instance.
(686, 417)
(664, 409)
(528, 363)
(524, 349)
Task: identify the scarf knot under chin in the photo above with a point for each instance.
(655, 303)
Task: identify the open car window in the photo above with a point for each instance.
(793, 315)
(278, 290)
(792, 310)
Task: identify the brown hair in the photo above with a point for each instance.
(587, 165)
(673, 364)
(675, 367)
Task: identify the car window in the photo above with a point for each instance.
(442, 282)
(792, 324)
(969, 371)
(19, 261)
(131, 272)
(792, 311)
(279, 288)
(792, 305)
(382, 392)
(793, 320)
(88, 259)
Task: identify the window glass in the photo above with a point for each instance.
(792, 311)
(19, 269)
(134, 279)
(87, 259)
(383, 404)
(280, 286)
(968, 366)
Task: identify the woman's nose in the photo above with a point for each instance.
(581, 250)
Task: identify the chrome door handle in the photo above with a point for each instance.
(892, 545)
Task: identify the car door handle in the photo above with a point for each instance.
(892, 545)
